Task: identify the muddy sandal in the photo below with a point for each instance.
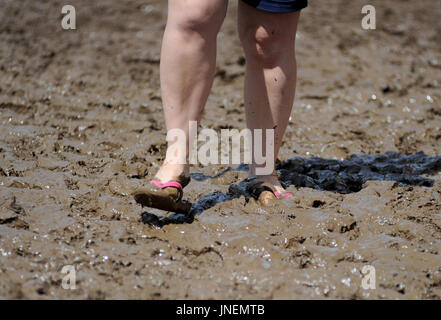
(264, 191)
(165, 196)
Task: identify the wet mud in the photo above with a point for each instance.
(81, 127)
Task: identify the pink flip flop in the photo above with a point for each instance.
(165, 196)
(173, 184)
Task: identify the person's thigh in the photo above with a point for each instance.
(198, 15)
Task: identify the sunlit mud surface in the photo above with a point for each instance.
(81, 126)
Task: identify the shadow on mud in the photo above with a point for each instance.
(342, 176)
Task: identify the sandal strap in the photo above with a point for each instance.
(268, 187)
(180, 183)
(167, 184)
(283, 195)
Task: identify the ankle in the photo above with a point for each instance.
(253, 169)
(170, 171)
(252, 173)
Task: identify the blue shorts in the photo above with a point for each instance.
(280, 6)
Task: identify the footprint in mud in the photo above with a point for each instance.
(342, 176)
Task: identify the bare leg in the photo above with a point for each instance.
(188, 61)
(269, 45)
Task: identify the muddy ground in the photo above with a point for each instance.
(81, 125)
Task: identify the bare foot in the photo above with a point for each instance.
(163, 196)
(172, 172)
(273, 182)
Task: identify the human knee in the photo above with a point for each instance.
(201, 20)
(265, 45)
